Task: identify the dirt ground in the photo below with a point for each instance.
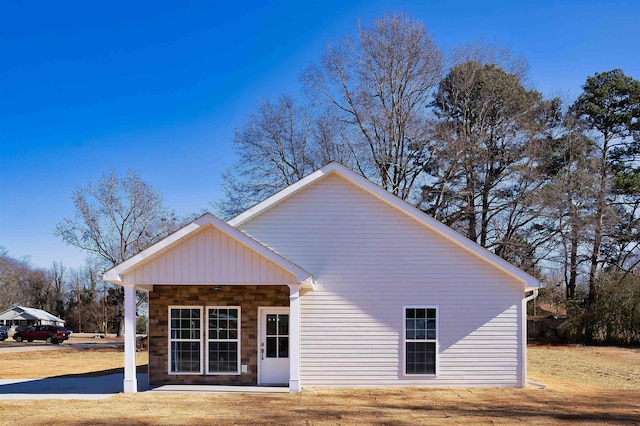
(585, 385)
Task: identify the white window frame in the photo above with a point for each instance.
(405, 340)
(169, 340)
(238, 340)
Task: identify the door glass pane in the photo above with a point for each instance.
(272, 321)
(283, 325)
(272, 351)
(283, 347)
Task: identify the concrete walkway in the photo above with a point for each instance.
(219, 389)
(101, 387)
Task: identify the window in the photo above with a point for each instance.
(223, 340)
(185, 340)
(421, 326)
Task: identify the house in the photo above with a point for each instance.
(331, 282)
(22, 316)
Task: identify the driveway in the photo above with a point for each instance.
(6, 346)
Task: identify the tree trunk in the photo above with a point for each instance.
(573, 261)
(599, 222)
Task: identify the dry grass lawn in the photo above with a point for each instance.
(585, 386)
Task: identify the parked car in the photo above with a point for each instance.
(42, 332)
(4, 334)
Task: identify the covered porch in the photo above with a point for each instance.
(223, 309)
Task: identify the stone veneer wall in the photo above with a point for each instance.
(248, 297)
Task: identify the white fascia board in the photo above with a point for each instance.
(114, 274)
(529, 281)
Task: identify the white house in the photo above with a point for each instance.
(21, 315)
(331, 282)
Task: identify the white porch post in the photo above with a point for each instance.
(294, 338)
(130, 381)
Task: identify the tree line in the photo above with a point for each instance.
(75, 295)
(116, 218)
(551, 185)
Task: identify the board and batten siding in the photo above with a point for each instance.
(369, 260)
(209, 256)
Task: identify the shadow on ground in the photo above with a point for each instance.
(102, 382)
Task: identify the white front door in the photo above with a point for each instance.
(273, 348)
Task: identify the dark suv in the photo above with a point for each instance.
(3, 334)
(42, 332)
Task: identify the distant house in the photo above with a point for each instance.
(331, 282)
(22, 316)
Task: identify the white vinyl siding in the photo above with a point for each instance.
(369, 260)
(209, 256)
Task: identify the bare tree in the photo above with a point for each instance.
(117, 218)
(379, 84)
(278, 145)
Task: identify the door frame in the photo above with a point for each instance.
(260, 336)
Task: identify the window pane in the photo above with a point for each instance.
(420, 357)
(223, 357)
(272, 347)
(283, 347)
(185, 357)
(410, 324)
(431, 324)
(272, 321)
(283, 325)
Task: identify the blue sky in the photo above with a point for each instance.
(159, 86)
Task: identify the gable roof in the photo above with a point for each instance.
(529, 281)
(24, 313)
(113, 275)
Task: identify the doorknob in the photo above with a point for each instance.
(262, 353)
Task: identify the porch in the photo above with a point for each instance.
(209, 269)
